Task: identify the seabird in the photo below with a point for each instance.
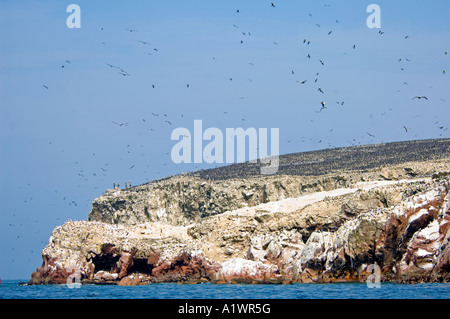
(420, 97)
(120, 124)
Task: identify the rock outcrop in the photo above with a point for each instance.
(270, 229)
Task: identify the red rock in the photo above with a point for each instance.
(184, 268)
(125, 263)
(153, 258)
(134, 280)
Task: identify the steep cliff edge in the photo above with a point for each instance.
(284, 228)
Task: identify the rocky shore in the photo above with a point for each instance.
(329, 227)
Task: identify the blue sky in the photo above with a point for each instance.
(59, 147)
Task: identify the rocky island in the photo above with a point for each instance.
(326, 216)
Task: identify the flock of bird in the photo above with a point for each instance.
(306, 43)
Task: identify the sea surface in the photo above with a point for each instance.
(11, 289)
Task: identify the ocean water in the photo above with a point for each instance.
(10, 289)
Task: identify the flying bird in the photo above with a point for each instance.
(420, 97)
(272, 5)
(320, 90)
(371, 135)
(321, 62)
(120, 124)
(113, 66)
(45, 86)
(131, 30)
(406, 129)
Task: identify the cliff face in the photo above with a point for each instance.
(184, 199)
(327, 216)
(279, 229)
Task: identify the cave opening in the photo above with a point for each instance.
(105, 262)
(140, 265)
